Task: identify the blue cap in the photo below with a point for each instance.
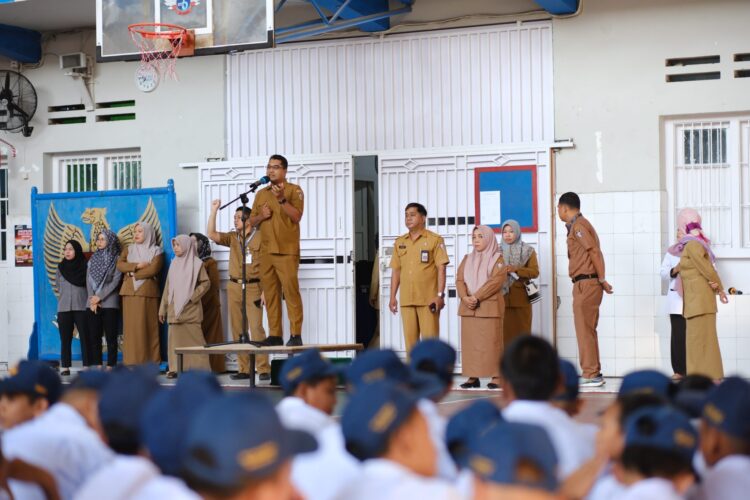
(384, 364)
(496, 454)
(570, 381)
(166, 417)
(372, 415)
(123, 398)
(303, 367)
(434, 356)
(728, 408)
(93, 380)
(690, 401)
(468, 423)
(239, 437)
(663, 428)
(34, 378)
(646, 382)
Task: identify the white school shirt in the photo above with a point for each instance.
(324, 473)
(654, 488)
(383, 479)
(165, 488)
(606, 486)
(60, 442)
(122, 478)
(727, 480)
(436, 424)
(674, 301)
(573, 445)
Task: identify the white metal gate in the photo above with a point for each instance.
(444, 183)
(326, 272)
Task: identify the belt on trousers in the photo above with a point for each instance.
(249, 282)
(585, 277)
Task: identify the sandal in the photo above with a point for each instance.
(472, 383)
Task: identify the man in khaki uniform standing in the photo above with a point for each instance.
(277, 211)
(418, 262)
(586, 269)
(234, 288)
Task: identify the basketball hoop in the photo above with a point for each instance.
(161, 44)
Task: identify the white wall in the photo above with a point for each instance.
(178, 122)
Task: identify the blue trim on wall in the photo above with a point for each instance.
(559, 7)
(20, 44)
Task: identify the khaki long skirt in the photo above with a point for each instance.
(481, 346)
(186, 335)
(703, 354)
(140, 327)
(516, 322)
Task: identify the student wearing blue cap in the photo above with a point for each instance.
(29, 391)
(384, 428)
(64, 440)
(513, 460)
(436, 358)
(647, 382)
(236, 447)
(657, 459)
(531, 376)
(725, 441)
(309, 384)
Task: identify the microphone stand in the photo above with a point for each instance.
(244, 337)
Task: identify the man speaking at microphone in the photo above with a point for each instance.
(277, 211)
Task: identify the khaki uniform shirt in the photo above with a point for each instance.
(583, 248)
(233, 241)
(279, 234)
(418, 261)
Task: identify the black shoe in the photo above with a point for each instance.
(294, 341)
(171, 375)
(470, 385)
(493, 386)
(65, 373)
(270, 341)
(239, 376)
(264, 376)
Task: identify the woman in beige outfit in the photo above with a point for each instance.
(187, 282)
(479, 282)
(521, 265)
(699, 282)
(140, 265)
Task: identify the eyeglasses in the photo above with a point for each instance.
(274, 167)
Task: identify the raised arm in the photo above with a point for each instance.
(211, 231)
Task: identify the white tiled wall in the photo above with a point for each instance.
(634, 327)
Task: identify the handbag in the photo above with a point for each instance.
(532, 292)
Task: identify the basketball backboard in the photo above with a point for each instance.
(221, 26)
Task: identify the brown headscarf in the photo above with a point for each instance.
(479, 265)
(143, 252)
(183, 274)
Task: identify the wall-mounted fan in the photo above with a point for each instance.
(17, 102)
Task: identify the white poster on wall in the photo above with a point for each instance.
(489, 207)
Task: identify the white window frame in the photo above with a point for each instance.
(105, 161)
(737, 161)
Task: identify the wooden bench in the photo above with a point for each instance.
(252, 351)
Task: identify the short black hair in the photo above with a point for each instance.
(312, 382)
(245, 211)
(429, 366)
(420, 208)
(284, 162)
(655, 462)
(122, 439)
(570, 199)
(695, 382)
(630, 403)
(531, 366)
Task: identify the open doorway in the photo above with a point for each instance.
(365, 246)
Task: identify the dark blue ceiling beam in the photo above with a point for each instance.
(20, 44)
(352, 9)
(559, 7)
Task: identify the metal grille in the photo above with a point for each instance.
(703, 178)
(3, 204)
(98, 171)
(126, 171)
(81, 174)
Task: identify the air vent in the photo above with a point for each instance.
(693, 77)
(690, 61)
(742, 73)
(741, 57)
(66, 107)
(68, 120)
(116, 117)
(115, 104)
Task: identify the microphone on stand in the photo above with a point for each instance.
(263, 180)
(733, 291)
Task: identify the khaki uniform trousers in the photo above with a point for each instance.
(587, 297)
(419, 322)
(278, 273)
(254, 323)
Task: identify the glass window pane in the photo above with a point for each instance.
(3, 251)
(3, 214)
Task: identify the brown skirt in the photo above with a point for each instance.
(186, 335)
(481, 346)
(213, 329)
(517, 322)
(702, 347)
(140, 330)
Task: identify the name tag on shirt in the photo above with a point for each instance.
(249, 258)
(425, 256)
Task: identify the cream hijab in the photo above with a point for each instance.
(183, 274)
(479, 265)
(144, 252)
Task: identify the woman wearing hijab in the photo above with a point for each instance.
(102, 283)
(698, 282)
(520, 265)
(187, 281)
(213, 329)
(71, 304)
(479, 282)
(141, 264)
(670, 266)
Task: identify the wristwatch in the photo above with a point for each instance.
(441, 295)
